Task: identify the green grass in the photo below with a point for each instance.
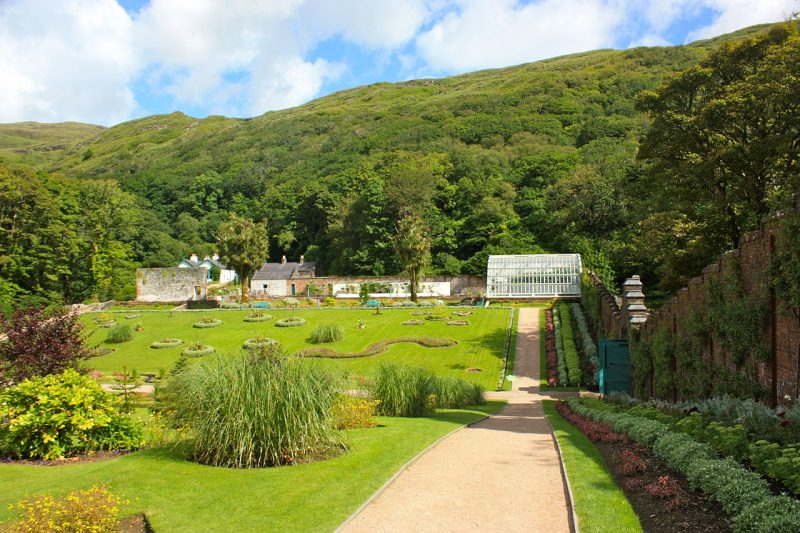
(178, 495)
(512, 350)
(600, 504)
(480, 345)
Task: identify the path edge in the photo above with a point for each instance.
(573, 517)
(409, 464)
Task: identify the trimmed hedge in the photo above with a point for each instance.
(376, 348)
(563, 377)
(571, 356)
(586, 342)
(741, 493)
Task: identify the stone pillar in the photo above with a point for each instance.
(633, 309)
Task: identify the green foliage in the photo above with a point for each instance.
(62, 415)
(412, 245)
(563, 375)
(119, 333)
(326, 333)
(663, 356)
(591, 361)
(571, 357)
(403, 390)
(94, 509)
(243, 246)
(455, 393)
(287, 402)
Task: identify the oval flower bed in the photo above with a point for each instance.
(257, 316)
(458, 323)
(462, 313)
(413, 323)
(437, 317)
(131, 317)
(290, 322)
(256, 343)
(207, 323)
(107, 323)
(376, 347)
(198, 349)
(165, 343)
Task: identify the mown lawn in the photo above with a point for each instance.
(480, 344)
(178, 495)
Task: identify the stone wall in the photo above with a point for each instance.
(170, 284)
(459, 285)
(778, 375)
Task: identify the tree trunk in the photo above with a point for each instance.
(245, 289)
(412, 286)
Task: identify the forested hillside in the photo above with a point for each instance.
(541, 156)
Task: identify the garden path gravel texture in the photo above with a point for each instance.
(500, 474)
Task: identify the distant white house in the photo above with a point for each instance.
(283, 279)
(225, 275)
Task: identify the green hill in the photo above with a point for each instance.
(41, 145)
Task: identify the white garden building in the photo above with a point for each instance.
(533, 276)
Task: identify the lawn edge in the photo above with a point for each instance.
(573, 516)
(410, 463)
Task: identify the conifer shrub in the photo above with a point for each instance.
(287, 404)
(326, 333)
(120, 333)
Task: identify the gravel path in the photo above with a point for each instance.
(500, 474)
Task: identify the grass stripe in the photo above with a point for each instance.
(600, 504)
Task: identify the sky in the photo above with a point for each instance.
(108, 61)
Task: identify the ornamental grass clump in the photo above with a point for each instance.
(326, 333)
(455, 393)
(257, 409)
(120, 333)
(403, 390)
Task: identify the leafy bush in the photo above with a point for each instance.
(286, 402)
(455, 393)
(352, 413)
(62, 415)
(121, 333)
(95, 509)
(326, 333)
(290, 322)
(403, 390)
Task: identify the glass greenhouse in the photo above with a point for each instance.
(533, 276)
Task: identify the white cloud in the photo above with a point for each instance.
(736, 14)
(65, 61)
(490, 33)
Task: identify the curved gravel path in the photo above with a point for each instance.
(500, 474)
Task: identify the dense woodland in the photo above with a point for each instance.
(610, 154)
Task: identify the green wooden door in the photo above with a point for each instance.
(614, 367)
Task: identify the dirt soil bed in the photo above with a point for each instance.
(86, 458)
(679, 509)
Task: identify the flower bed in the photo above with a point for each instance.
(741, 493)
(437, 317)
(198, 350)
(413, 322)
(376, 348)
(291, 322)
(165, 343)
(457, 323)
(256, 343)
(550, 349)
(135, 315)
(462, 313)
(207, 323)
(257, 318)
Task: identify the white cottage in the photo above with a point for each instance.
(225, 274)
(283, 279)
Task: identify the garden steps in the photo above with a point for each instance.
(500, 474)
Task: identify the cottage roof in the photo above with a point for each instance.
(204, 262)
(285, 270)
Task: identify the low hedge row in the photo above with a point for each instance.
(563, 376)
(376, 347)
(571, 356)
(587, 344)
(744, 495)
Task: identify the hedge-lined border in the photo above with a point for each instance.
(743, 494)
(376, 348)
(159, 345)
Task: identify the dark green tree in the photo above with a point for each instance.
(244, 246)
(413, 247)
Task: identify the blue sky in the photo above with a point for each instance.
(107, 61)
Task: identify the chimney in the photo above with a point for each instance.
(206, 258)
(193, 258)
(283, 260)
(302, 259)
(215, 257)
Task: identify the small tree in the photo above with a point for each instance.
(243, 245)
(39, 343)
(413, 248)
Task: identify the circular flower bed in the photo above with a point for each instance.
(165, 343)
(257, 318)
(207, 323)
(107, 323)
(462, 313)
(420, 313)
(198, 350)
(458, 323)
(256, 343)
(437, 317)
(290, 322)
(413, 323)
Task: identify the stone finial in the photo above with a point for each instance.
(633, 306)
(302, 259)
(283, 260)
